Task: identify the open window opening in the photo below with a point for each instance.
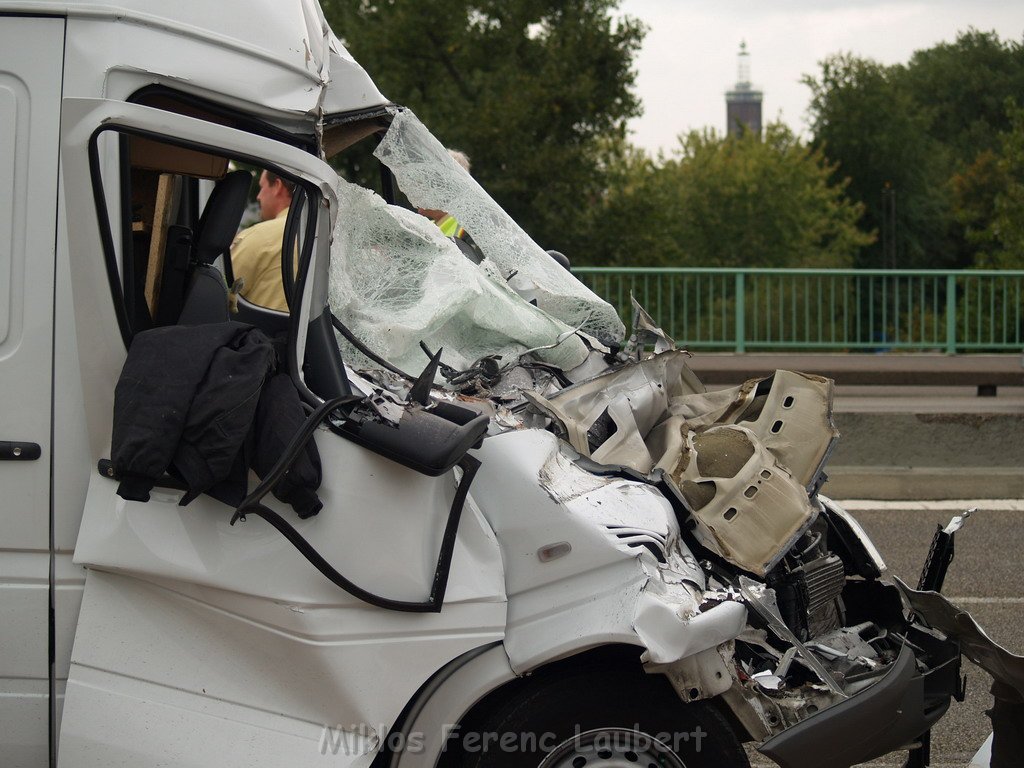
(205, 236)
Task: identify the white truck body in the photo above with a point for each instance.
(153, 634)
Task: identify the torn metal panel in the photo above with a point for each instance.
(748, 507)
(1005, 667)
(793, 420)
(703, 675)
(667, 372)
(632, 400)
(789, 412)
(625, 445)
(702, 409)
(750, 711)
(741, 458)
(646, 330)
(564, 481)
(349, 87)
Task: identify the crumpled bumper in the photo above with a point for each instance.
(883, 717)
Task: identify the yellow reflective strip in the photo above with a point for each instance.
(449, 226)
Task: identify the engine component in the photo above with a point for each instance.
(809, 596)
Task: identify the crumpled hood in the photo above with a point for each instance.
(744, 459)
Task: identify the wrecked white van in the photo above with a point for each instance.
(540, 542)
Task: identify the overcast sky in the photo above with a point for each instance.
(689, 55)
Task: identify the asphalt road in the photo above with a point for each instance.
(985, 578)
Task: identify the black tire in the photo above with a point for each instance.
(598, 717)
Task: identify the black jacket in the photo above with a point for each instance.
(201, 403)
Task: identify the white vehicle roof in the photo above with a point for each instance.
(280, 55)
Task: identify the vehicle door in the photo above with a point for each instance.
(31, 62)
(234, 638)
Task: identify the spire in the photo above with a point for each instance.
(743, 67)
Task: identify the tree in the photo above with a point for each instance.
(1008, 219)
(733, 202)
(964, 85)
(530, 89)
(921, 139)
(870, 126)
(975, 190)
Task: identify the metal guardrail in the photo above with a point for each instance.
(823, 309)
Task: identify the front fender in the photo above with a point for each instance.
(591, 560)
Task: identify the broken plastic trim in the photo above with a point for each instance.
(300, 199)
(430, 441)
(940, 554)
(439, 584)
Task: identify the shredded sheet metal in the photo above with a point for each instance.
(747, 506)
(762, 600)
(397, 281)
(742, 458)
(945, 616)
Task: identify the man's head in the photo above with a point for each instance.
(460, 158)
(275, 194)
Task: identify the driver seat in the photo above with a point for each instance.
(206, 298)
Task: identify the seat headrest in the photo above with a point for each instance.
(222, 215)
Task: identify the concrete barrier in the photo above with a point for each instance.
(963, 448)
(986, 372)
(928, 456)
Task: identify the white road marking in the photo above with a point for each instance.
(987, 600)
(946, 505)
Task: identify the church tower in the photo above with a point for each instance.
(743, 102)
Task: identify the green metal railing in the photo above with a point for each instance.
(823, 309)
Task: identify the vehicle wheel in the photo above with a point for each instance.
(595, 718)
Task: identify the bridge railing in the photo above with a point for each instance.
(823, 309)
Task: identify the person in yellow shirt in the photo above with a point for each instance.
(256, 251)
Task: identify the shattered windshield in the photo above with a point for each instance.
(396, 281)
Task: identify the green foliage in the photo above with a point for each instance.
(916, 165)
(870, 126)
(531, 90)
(729, 202)
(920, 144)
(1008, 220)
(963, 87)
(974, 192)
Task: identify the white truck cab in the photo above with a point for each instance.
(551, 548)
